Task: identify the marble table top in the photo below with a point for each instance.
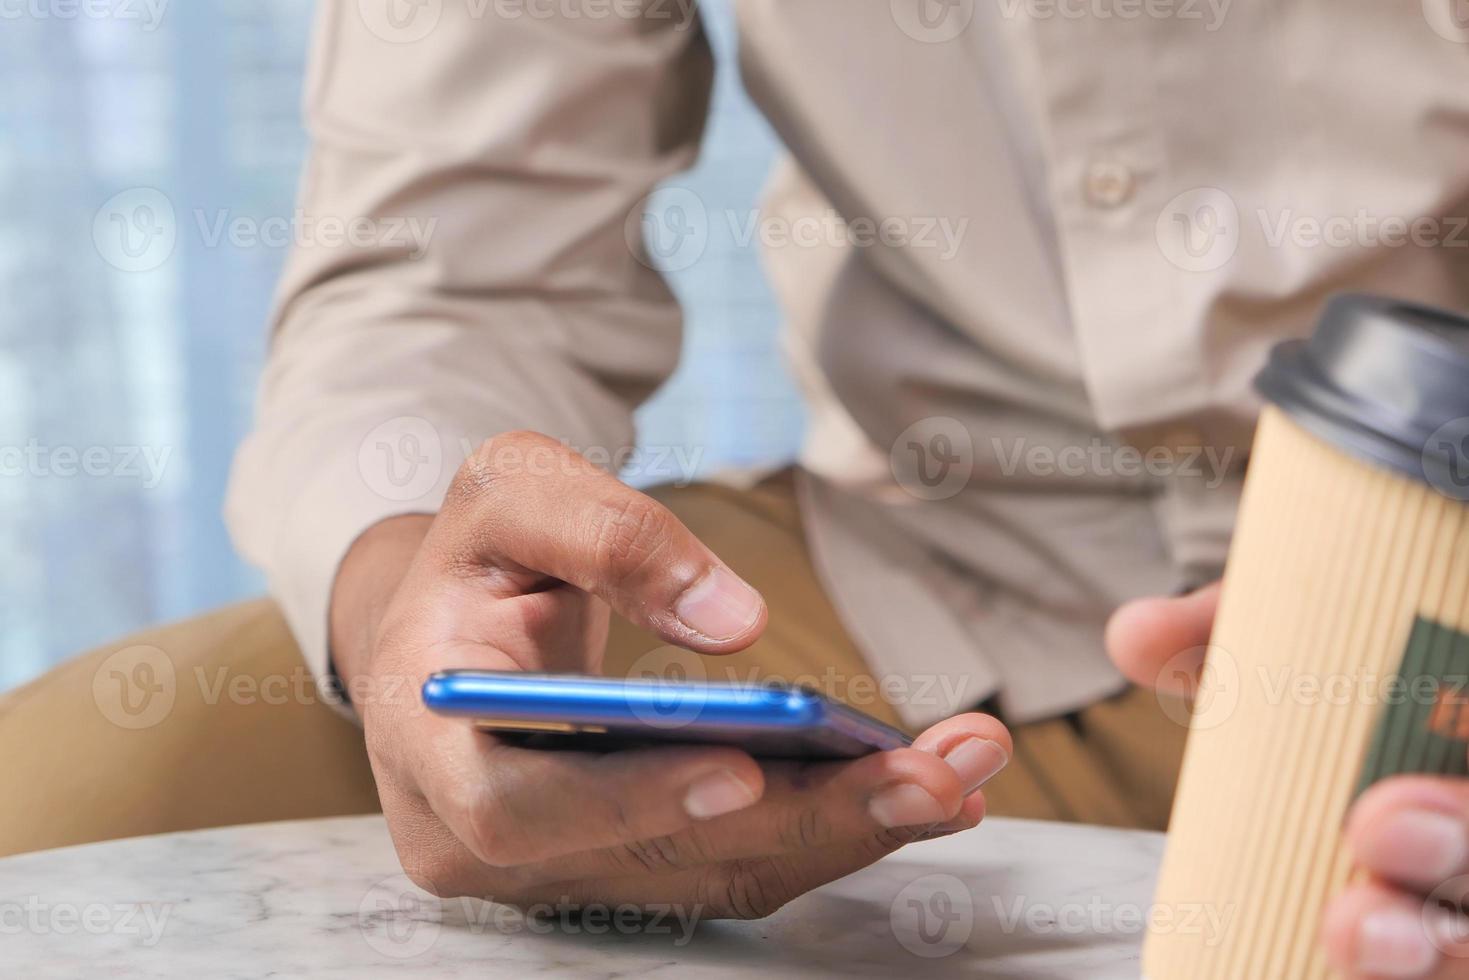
(1007, 900)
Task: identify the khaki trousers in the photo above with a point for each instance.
(215, 721)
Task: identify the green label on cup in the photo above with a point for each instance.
(1424, 726)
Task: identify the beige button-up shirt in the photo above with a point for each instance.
(1048, 244)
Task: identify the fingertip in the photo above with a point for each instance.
(713, 780)
(1409, 791)
(722, 611)
(717, 793)
(976, 747)
(715, 758)
(742, 641)
(1369, 930)
(943, 737)
(1411, 831)
(1145, 637)
(745, 766)
(675, 766)
(1134, 639)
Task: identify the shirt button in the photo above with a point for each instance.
(1109, 184)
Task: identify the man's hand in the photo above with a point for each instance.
(517, 572)
(1410, 834)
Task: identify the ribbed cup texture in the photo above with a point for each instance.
(1340, 572)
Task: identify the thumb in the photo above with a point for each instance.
(526, 512)
(1146, 637)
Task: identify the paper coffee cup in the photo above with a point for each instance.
(1340, 655)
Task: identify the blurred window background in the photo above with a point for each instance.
(126, 379)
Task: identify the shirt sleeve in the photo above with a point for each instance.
(467, 262)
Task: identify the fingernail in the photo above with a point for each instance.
(905, 805)
(977, 761)
(1419, 846)
(1393, 943)
(720, 605)
(717, 794)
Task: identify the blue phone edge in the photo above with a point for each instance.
(590, 700)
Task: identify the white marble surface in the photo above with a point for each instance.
(1010, 899)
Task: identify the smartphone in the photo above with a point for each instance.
(603, 714)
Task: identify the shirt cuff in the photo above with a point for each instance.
(400, 467)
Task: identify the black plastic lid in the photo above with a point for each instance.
(1385, 380)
